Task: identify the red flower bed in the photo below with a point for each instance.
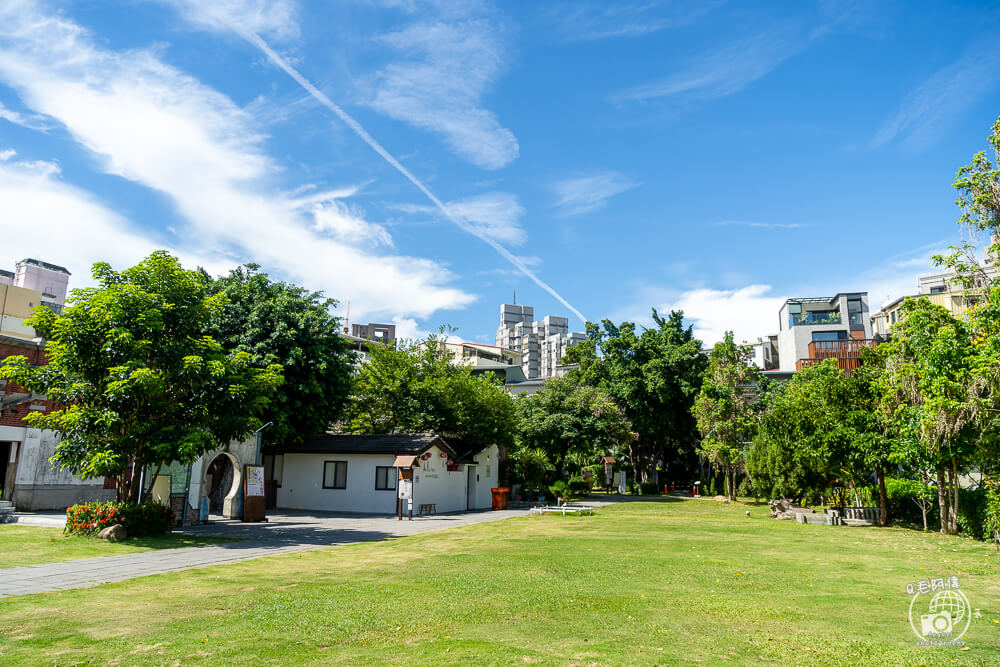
(138, 518)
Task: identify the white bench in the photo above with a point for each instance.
(564, 509)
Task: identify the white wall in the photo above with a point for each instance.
(39, 485)
(302, 483)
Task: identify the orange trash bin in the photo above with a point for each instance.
(500, 496)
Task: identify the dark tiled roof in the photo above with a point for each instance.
(45, 265)
(393, 443)
(6, 274)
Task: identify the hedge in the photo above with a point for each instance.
(139, 519)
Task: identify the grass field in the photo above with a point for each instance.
(28, 545)
(639, 583)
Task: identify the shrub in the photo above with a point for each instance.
(711, 488)
(903, 495)
(746, 489)
(577, 486)
(972, 507)
(139, 519)
(559, 490)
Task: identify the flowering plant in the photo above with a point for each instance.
(138, 518)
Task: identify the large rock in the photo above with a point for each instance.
(114, 533)
(783, 508)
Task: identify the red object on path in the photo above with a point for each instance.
(500, 496)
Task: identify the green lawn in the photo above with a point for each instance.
(647, 582)
(27, 545)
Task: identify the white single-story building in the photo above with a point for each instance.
(356, 473)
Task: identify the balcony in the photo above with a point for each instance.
(814, 317)
(846, 352)
(838, 349)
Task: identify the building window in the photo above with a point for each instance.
(938, 289)
(823, 336)
(385, 478)
(335, 474)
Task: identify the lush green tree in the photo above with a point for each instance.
(654, 377)
(285, 324)
(572, 423)
(135, 379)
(818, 432)
(938, 391)
(723, 407)
(417, 389)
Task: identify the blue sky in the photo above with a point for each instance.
(425, 159)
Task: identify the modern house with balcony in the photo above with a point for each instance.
(817, 328)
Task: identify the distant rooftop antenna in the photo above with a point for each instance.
(347, 320)
(515, 297)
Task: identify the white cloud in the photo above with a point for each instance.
(943, 97)
(274, 18)
(451, 63)
(749, 312)
(32, 122)
(154, 125)
(492, 215)
(585, 194)
(725, 70)
(587, 21)
(60, 223)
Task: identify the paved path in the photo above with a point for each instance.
(286, 532)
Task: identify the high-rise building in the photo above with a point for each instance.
(49, 279)
(542, 344)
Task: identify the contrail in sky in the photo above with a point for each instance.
(257, 41)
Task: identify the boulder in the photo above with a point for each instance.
(114, 533)
(783, 508)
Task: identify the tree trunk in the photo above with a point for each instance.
(954, 498)
(943, 502)
(883, 497)
(732, 483)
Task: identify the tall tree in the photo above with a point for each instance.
(136, 380)
(654, 377)
(936, 390)
(278, 323)
(819, 431)
(417, 389)
(723, 407)
(571, 423)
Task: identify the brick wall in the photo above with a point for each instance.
(14, 415)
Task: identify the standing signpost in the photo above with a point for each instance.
(404, 492)
(253, 494)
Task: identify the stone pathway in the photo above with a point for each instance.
(286, 532)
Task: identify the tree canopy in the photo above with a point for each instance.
(135, 379)
(571, 423)
(723, 407)
(654, 377)
(416, 389)
(279, 323)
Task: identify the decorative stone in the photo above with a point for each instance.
(114, 533)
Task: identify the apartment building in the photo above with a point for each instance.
(941, 289)
(33, 283)
(542, 343)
